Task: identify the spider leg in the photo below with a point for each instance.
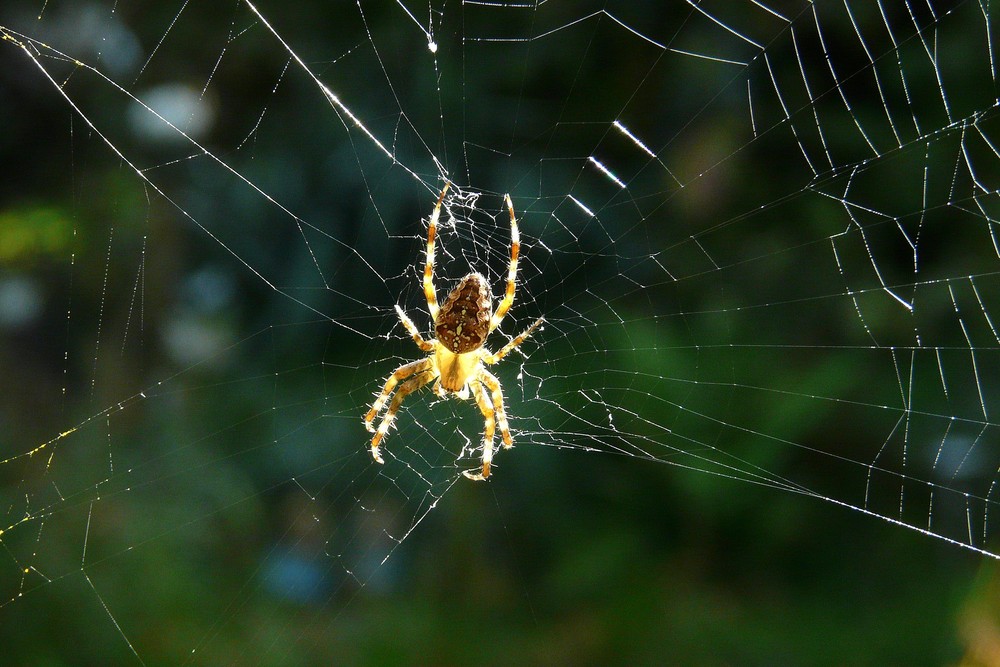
(515, 249)
(401, 373)
(493, 383)
(429, 292)
(486, 407)
(404, 390)
(424, 345)
(506, 349)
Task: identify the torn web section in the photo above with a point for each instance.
(910, 182)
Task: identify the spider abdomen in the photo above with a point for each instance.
(464, 320)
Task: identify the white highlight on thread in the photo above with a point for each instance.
(580, 204)
(624, 130)
(703, 56)
(607, 172)
(725, 27)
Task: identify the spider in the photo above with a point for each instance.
(456, 358)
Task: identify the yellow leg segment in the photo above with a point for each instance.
(429, 292)
(404, 390)
(486, 407)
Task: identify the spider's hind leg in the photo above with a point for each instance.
(486, 407)
(422, 376)
(401, 373)
(493, 384)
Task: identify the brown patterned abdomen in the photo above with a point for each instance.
(464, 320)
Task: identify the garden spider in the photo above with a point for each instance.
(455, 358)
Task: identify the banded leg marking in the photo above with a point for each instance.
(515, 249)
(429, 292)
(506, 349)
(486, 407)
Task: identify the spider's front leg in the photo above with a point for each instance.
(429, 292)
(515, 249)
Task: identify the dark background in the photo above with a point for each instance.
(190, 339)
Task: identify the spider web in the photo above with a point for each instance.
(762, 236)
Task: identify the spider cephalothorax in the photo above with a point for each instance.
(457, 355)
